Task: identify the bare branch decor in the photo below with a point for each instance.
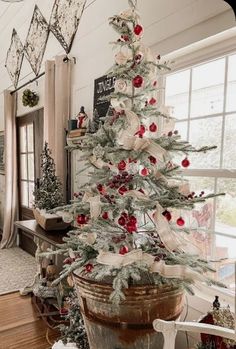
(36, 40)
(65, 20)
(14, 58)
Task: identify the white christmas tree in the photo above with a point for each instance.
(127, 232)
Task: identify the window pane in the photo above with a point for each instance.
(182, 128)
(225, 249)
(31, 198)
(231, 100)
(24, 194)
(177, 93)
(206, 132)
(226, 206)
(22, 139)
(208, 88)
(229, 157)
(30, 131)
(23, 166)
(31, 166)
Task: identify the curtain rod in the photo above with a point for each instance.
(66, 59)
(26, 83)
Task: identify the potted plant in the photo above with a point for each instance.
(129, 257)
(48, 195)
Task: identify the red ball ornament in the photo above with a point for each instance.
(122, 221)
(153, 127)
(167, 215)
(122, 165)
(123, 250)
(185, 162)
(138, 29)
(152, 159)
(81, 219)
(180, 221)
(155, 83)
(122, 190)
(145, 171)
(137, 81)
(152, 101)
(105, 215)
(89, 267)
(131, 227)
(133, 220)
(125, 37)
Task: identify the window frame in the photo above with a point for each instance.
(187, 58)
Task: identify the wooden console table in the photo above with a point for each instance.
(32, 228)
(40, 236)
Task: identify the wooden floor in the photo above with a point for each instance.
(20, 328)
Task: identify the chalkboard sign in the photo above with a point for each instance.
(103, 86)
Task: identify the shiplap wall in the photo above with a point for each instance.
(169, 25)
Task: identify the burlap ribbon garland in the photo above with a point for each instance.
(128, 141)
(168, 271)
(94, 203)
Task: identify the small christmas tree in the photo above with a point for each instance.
(48, 189)
(75, 331)
(131, 225)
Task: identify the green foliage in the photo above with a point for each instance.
(48, 191)
(30, 98)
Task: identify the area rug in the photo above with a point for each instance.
(17, 269)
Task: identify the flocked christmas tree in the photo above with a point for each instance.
(74, 332)
(48, 190)
(129, 217)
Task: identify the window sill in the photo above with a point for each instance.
(208, 293)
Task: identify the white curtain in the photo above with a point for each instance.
(57, 111)
(11, 193)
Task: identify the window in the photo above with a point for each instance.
(203, 98)
(30, 143)
(26, 153)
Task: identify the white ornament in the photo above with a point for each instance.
(121, 58)
(121, 86)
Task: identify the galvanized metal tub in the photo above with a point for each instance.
(128, 325)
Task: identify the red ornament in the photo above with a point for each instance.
(145, 171)
(141, 131)
(180, 221)
(167, 214)
(68, 260)
(122, 221)
(152, 159)
(123, 250)
(133, 219)
(100, 187)
(138, 57)
(138, 29)
(137, 81)
(131, 227)
(81, 219)
(122, 165)
(63, 311)
(185, 162)
(105, 215)
(122, 190)
(89, 267)
(155, 83)
(125, 37)
(152, 101)
(153, 127)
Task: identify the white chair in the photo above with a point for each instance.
(169, 330)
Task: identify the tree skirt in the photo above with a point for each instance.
(17, 269)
